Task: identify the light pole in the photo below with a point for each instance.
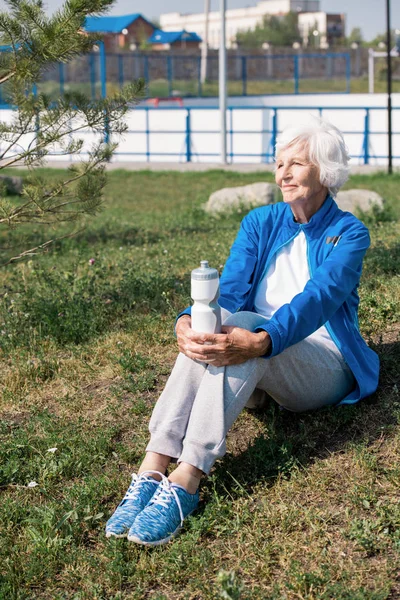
(222, 82)
(389, 86)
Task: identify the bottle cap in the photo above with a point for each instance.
(204, 272)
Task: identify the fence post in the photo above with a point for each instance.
(147, 135)
(231, 132)
(37, 118)
(296, 73)
(103, 69)
(348, 73)
(146, 75)
(61, 76)
(92, 75)
(371, 71)
(169, 74)
(120, 70)
(366, 137)
(274, 132)
(329, 57)
(199, 88)
(188, 138)
(244, 75)
(103, 80)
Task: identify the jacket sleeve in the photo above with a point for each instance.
(327, 289)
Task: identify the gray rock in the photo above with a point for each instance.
(13, 185)
(351, 200)
(245, 197)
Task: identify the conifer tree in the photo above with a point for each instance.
(33, 41)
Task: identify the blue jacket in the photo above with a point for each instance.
(336, 242)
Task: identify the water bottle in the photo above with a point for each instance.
(206, 312)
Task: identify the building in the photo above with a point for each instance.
(125, 31)
(165, 40)
(237, 20)
(319, 29)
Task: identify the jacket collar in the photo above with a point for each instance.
(319, 220)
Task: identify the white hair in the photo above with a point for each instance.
(326, 150)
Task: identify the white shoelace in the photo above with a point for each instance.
(134, 489)
(164, 496)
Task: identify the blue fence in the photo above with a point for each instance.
(99, 72)
(188, 152)
(156, 137)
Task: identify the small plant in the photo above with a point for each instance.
(230, 588)
(138, 371)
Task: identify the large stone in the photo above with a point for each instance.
(13, 185)
(351, 200)
(245, 197)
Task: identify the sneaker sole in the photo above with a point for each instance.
(137, 540)
(117, 535)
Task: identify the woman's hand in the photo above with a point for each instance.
(231, 347)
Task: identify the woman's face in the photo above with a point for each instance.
(297, 177)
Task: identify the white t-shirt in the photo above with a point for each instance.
(286, 277)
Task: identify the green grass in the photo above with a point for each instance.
(302, 506)
(161, 88)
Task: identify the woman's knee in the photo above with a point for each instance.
(245, 319)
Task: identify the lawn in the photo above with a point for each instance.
(190, 87)
(302, 507)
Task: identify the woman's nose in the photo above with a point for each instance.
(286, 172)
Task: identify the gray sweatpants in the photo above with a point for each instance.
(200, 402)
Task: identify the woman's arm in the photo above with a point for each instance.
(328, 288)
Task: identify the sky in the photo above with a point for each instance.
(371, 18)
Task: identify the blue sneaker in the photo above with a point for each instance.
(163, 517)
(139, 493)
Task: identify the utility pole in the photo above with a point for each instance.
(222, 81)
(389, 86)
(204, 47)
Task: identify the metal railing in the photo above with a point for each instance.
(151, 139)
(188, 152)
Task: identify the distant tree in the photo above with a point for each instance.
(381, 37)
(32, 42)
(278, 31)
(355, 36)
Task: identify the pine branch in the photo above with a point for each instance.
(34, 251)
(37, 41)
(7, 77)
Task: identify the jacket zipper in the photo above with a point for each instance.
(326, 325)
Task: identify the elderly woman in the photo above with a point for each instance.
(289, 290)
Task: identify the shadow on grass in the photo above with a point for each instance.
(295, 440)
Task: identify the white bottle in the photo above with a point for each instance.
(206, 312)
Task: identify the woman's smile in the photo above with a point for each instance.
(299, 181)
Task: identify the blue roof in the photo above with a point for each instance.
(169, 37)
(111, 24)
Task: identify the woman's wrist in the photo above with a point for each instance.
(184, 318)
(264, 342)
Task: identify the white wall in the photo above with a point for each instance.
(167, 126)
